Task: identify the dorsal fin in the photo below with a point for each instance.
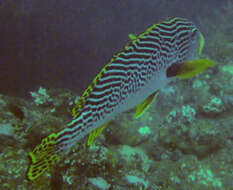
(81, 101)
(132, 37)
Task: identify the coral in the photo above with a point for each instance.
(137, 181)
(144, 131)
(6, 129)
(185, 114)
(198, 84)
(228, 101)
(228, 68)
(213, 107)
(134, 158)
(41, 97)
(188, 113)
(199, 139)
(99, 182)
(205, 176)
(16, 110)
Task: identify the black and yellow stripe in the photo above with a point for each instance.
(127, 74)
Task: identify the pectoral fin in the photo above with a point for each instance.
(94, 134)
(189, 69)
(143, 106)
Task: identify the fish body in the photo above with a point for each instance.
(132, 77)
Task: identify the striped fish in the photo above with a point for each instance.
(132, 78)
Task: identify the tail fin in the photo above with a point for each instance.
(42, 157)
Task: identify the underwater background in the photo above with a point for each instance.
(49, 53)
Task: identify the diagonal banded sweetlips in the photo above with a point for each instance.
(152, 59)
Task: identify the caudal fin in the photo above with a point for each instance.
(42, 157)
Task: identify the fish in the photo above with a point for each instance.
(132, 78)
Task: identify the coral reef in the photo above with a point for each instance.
(148, 153)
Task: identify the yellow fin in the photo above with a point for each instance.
(202, 43)
(132, 37)
(75, 111)
(95, 133)
(190, 68)
(143, 106)
(42, 157)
